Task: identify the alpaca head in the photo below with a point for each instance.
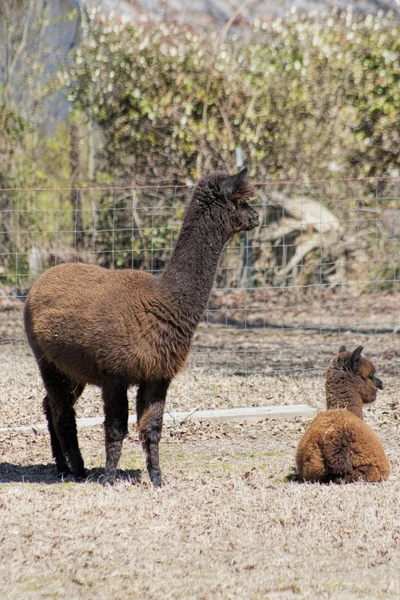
(353, 369)
(224, 198)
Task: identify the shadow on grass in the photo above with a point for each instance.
(293, 477)
(41, 473)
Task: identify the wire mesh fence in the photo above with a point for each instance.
(322, 269)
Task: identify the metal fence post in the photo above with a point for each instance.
(246, 246)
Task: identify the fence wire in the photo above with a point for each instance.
(321, 270)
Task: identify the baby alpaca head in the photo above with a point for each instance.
(224, 198)
(351, 374)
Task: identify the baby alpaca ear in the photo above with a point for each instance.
(342, 348)
(232, 183)
(355, 357)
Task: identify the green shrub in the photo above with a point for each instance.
(304, 98)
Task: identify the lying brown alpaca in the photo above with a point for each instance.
(114, 329)
(338, 446)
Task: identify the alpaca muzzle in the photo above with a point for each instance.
(254, 220)
(378, 383)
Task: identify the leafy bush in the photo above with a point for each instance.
(304, 97)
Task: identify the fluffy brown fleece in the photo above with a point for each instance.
(338, 446)
(114, 329)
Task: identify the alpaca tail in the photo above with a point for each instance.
(337, 452)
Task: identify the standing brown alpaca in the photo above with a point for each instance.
(114, 329)
(338, 446)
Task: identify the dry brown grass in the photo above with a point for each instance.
(227, 524)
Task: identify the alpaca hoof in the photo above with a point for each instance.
(108, 482)
(109, 479)
(80, 475)
(65, 476)
(155, 477)
(63, 473)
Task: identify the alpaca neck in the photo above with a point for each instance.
(189, 276)
(353, 405)
(341, 392)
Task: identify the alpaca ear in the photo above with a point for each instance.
(231, 184)
(342, 348)
(355, 357)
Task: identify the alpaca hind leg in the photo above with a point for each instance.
(311, 465)
(62, 393)
(63, 415)
(58, 454)
(368, 473)
(116, 425)
(150, 410)
(338, 457)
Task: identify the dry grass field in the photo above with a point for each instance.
(227, 523)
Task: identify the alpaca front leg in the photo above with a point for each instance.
(150, 410)
(116, 426)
